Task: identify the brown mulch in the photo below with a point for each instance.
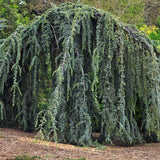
(17, 143)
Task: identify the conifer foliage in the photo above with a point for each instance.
(78, 70)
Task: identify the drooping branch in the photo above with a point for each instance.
(78, 70)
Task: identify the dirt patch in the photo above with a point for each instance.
(17, 143)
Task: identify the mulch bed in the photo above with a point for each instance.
(18, 143)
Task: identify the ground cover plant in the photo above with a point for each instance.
(26, 157)
(78, 70)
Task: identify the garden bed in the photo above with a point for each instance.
(15, 143)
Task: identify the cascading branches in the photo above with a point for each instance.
(78, 70)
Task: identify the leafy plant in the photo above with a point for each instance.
(148, 29)
(153, 32)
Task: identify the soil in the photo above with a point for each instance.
(18, 143)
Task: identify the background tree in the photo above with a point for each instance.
(14, 12)
(135, 12)
(151, 11)
(2, 27)
(130, 11)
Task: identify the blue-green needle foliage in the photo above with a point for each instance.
(76, 70)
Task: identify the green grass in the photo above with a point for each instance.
(1, 136)
(26, 157)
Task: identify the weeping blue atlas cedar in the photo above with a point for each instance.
(77, 70)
